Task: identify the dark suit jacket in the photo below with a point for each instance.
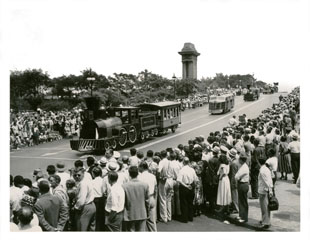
(51, 212)
(213, 167)
(259, 152)
(233, 169)
(136, 200)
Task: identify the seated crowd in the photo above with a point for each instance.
(212, 175)
(32, 128)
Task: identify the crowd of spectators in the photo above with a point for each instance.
(33, 128)
(213, 175)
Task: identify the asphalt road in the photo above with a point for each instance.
(195, 122)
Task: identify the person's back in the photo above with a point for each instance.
(214, 165)
(136, 193)
(50, 210)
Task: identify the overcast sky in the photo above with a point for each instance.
(264, 37)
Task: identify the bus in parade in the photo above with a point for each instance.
(221, 103)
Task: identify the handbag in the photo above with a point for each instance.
(273, 203)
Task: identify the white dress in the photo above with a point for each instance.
(223, 192)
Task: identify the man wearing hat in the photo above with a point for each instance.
(103, 165)
(210, 179)
(111, 167)
(224, 150)
(233, 169)
(294, 150)
(64, 176)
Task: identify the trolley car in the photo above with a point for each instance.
(252, 94)
(117, 126)
(221, 103)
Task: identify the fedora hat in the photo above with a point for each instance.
(112, 166)
(116, 155)
(232, 152)
(103, 161)
(60, 166)
(216, 149)
(224, 149)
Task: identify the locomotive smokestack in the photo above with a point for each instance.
(92, 103)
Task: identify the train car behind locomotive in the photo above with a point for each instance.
(117, 126)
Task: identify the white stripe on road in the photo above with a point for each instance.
(47, 158)
(54, 153)
(200, 126)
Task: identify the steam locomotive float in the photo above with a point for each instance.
(117, 126)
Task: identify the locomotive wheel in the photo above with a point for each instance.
(132, 135)
(152, 133)
(173, 128)
(142, 136)
(113, 144)
(106, 145)
(123, 137)
(155, 132)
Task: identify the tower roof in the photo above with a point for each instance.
(189, 48)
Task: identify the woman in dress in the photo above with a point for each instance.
(284, 165)
(198, 199)
(224, 192)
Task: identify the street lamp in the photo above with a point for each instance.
(91, 82)
(174, 78)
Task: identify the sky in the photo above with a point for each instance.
(267, 38)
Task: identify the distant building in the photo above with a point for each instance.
(189, 61)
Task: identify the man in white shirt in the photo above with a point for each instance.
(115, 204)
(272, 163)
(133, 159)
(242, 177)
(79, 164)
(84, 206)
(265, 187)
(25, 216)
(16, 194)
(165, 187)
(233, 121)
(150, 180)
(294, 149)
(99, 200)
(187, 179)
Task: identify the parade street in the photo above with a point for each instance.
(195, 122)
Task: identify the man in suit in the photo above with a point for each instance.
(136, 202)
(212, 169)
(259, 152)
(51, 211)
(233, 169)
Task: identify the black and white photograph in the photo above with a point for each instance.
(155, 116)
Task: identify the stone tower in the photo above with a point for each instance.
(189, 61)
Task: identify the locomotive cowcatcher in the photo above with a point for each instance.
(116, 126)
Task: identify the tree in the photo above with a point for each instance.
(30, 85)
(186, 87)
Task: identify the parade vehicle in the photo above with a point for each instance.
(117, 126)
(221, 103)
(252, 94)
